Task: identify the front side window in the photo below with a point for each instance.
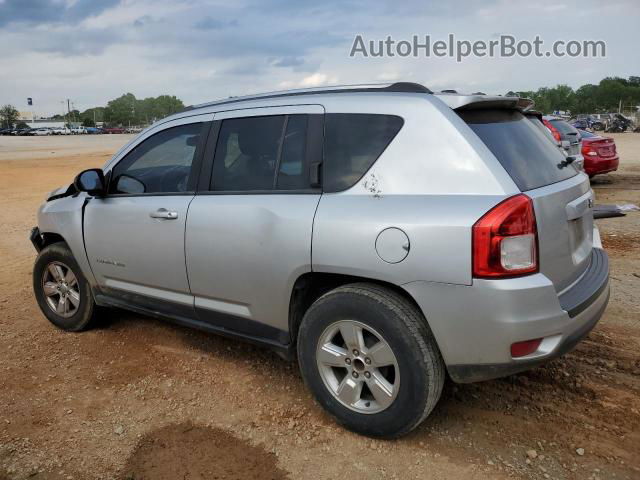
(261, 153)
(160, 164)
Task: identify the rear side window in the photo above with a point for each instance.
(262, 153)
(526, 154)
(352, 143)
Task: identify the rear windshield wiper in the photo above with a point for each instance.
(566, 162)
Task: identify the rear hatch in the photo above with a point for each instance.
(567, 132)
(562, 197)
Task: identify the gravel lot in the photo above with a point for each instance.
(141, 398)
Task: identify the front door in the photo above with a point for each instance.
(135, 235)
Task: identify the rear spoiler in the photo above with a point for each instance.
(479, 101)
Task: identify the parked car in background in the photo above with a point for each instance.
(40, 132)
(310, 222)
(535, 118)
(61, 131)
(567, 135)
(133, 130)
(79, 130)
(93, 130)
(112, 130)
(6, 131)
(619, 124)
(23, 131)
(600, 155)
(587, 122)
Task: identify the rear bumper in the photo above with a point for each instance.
(599, 165)
(476, 325)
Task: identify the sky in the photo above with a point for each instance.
(93, 51)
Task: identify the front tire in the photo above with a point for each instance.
(62, 292)
(368, 356)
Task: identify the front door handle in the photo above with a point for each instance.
(164, 214)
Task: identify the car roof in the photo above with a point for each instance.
(452, 98)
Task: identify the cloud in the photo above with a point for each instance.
(36, 12)
(210, 23)
(200, 50)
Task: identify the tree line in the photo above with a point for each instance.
(127, 110)
(605, 97)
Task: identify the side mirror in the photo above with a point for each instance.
(91, 181)
(128, 184)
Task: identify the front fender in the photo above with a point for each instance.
(64, 217)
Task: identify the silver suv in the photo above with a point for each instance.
(383, 235)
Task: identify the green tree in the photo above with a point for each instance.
(21, 125)
(8, 116)
(121, 111)
(88, 122)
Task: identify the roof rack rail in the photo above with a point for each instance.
(397, 87)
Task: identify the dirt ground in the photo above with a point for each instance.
(143, 399)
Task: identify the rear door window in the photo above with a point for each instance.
(352, 143)
(262, 154)
(526, 154)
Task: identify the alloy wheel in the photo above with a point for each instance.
(61, 289)
(358, 366)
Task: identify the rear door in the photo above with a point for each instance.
(249, 227)
(562, 196)
(134, 236)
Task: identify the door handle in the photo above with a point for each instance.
(164, 214)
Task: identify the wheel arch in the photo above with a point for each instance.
(310, 286)
(49, 238)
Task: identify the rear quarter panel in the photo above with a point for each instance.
(433, 181)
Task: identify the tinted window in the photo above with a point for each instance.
(352, 143)
(563, 127)
(160, 164)
(526, 154)
(542, 128)
(250, 150)
(293, 173)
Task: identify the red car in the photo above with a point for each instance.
(599, 153)
(113, 130)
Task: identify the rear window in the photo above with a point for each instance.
(352, 143)
(585, 134)
(529, 157)
(563, 127)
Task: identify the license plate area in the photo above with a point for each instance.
(581, 238)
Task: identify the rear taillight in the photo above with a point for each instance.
(554, 131)
(587, 149)
(505, 240)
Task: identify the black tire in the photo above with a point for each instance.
(86, 312)
(405, 330)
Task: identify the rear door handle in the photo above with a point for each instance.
(164, 214)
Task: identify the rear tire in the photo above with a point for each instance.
(370, 359)
(62, 292)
